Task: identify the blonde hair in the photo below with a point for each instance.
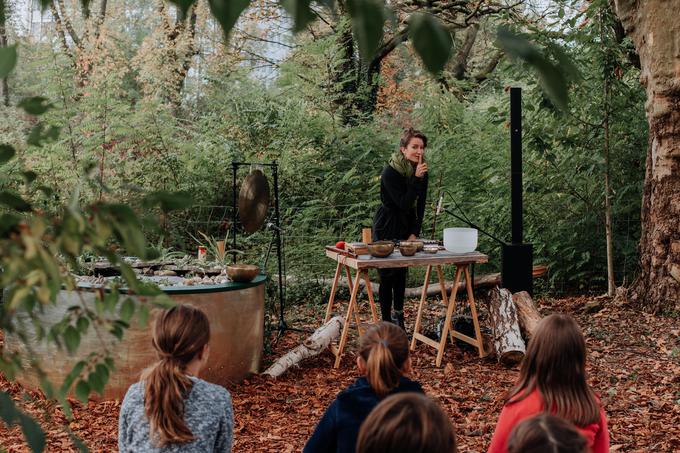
(179, 335)
(384, 349)
(407, 423)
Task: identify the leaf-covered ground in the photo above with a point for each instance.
(634, 364)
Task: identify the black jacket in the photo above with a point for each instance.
(403, 205)
(339, 427)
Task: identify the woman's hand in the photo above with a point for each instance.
(412, 237)
(421, 169)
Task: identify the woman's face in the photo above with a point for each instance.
(414, 150)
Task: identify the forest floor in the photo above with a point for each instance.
(633, 364)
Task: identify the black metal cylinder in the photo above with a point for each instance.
(516, 164)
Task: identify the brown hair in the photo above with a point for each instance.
(384, 348)
(546, 433)
(179, 334)
(408, 423)
(409, 134)
(555, 364)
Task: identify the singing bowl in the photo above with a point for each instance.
(242, 273)
(408, 248)
(460, 240)
(381, 249)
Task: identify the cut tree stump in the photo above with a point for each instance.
(312, 346)
(503, 319)
(529, 317)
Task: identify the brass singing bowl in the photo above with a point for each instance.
(242, 273)
(407, 248)
(381, 249)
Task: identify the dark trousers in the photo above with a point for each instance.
(392, 287)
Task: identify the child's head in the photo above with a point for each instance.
(180, 336)
(555, 364)
(383, 356)
(546, 433)
(408, 423)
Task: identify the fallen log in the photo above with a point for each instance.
(503, 319)
(312, 346)
(529, 317)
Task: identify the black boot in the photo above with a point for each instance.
(398, 318)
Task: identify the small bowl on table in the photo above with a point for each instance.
(242, 273)
(431, 248)
(381, 249)
(409, 248)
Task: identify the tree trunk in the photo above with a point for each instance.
(654, 28)
(527, 312)
(312, 346)
(611, 282)
(4, 86)
(504, 324)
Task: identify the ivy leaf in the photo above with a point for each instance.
(14, 201)
(183, 6)
(8, 59)
(127, 309)
(301, 12)
(431, 41)
(368, 17)
(227, 12)
(552, 79)
(71, 338)
(36, 105)
(6, 153)
(82, 391)
(35, 437)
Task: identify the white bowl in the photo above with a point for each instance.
(460, 240)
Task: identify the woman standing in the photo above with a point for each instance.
(403, 190)
(171, 409)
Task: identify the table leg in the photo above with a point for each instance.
(348, 317)
(371, 300)
(449, 312)
(442, 285)
(473, 309)
(423, 296)
(331, 298)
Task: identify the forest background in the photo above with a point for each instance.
(146, 99)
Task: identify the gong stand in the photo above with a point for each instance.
(275, 226)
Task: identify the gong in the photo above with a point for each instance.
(253, 201)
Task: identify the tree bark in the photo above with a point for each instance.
(654, 28)
(527, 312)
(312, 346)
(503, 319)
(4, 86)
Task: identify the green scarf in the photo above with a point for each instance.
(399, 162)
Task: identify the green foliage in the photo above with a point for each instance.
(431, 41)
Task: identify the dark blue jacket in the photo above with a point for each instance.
(339, 427)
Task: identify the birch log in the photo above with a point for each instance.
(312, 346)
(507, 337)
(528, 314)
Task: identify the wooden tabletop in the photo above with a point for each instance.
(397, 260)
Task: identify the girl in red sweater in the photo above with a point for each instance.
(552, 379)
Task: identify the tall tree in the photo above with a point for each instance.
(654, 28)
(4, 83)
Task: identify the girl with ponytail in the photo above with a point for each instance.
(383, 361)
(171, 409)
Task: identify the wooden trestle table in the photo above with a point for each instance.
(362, 263)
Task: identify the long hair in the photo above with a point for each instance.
(555, 364)
(384, 348)
(546, 434)
(407, 423)
(179, 334)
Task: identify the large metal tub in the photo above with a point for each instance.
(235, 311)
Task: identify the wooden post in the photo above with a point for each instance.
(527, 312)
(507, 338)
